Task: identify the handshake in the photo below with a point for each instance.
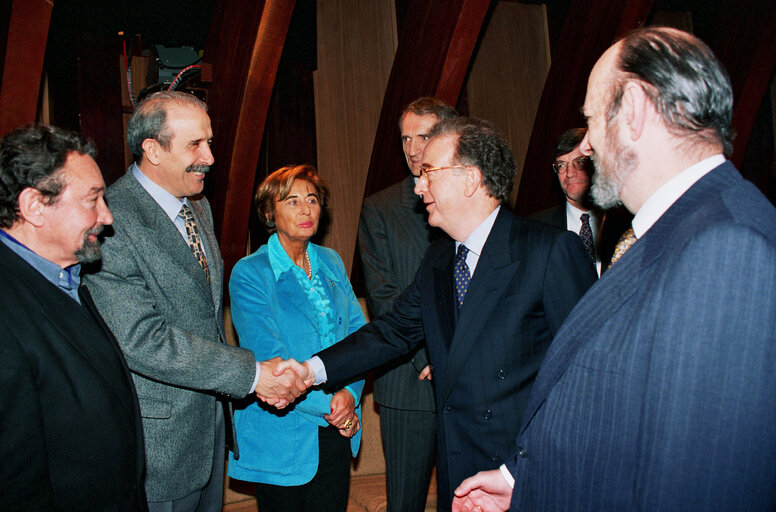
(282, 381)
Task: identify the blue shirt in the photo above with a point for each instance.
(66, 279)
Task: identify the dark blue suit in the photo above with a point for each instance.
(529, 276)
(659, 391)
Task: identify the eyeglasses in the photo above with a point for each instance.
(580, 163)
(425, 170)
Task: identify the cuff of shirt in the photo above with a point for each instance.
(255, 379)
(507, 475)
(316, 365)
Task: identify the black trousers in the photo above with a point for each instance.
(326, 492)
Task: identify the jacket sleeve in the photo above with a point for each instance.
(152, 345)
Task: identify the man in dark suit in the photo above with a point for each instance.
(659, 391)
(160, 290)
(599, 230)
(393, 235)
(70, 431)
(520, 278)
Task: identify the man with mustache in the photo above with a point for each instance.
(70, 432)
(160, 290)
(659, 390)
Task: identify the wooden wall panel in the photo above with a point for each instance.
(507, 91)
(25, 47)
(356, 45)
(591, 26)
(245, 58)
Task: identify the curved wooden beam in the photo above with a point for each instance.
(241, 92)
(431, 59)
(590, 28)
(28, 28)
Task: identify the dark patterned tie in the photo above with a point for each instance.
(623, 244)
(586, 234)
(461, 274)
(195, 242)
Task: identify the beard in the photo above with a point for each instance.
(612, 167)
(90, 251)
(198, 168)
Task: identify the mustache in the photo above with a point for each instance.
(198, 168)
(95, 230)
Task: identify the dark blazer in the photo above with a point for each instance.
(169, 322)
(613, 224)
(393, 235)
(528, 278)
(659, 391)
(70, 432)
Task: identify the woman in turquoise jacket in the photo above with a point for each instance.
(292, 298)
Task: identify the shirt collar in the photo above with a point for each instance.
(281, 262)
(476, 240)
(168, 202)
(68, 278)
(660, 201)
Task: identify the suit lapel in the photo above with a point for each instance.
(290, 291)
(215, 263)
(161, 235)
(493, 274)
(73, 322)
(444, 295)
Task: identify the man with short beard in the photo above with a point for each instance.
(160, 290)
(70, 432)
(659, 390)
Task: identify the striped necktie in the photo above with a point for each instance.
(195, 242)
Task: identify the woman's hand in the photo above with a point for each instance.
(343, 413)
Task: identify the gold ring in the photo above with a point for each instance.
(348, 423)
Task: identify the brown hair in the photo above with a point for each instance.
(277, 186)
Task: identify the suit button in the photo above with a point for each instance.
(494, 457)
(502, 374)
(487, 414)
(447, 409)
(521, 452)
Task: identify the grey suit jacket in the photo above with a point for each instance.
(393, 235)
(168, 320)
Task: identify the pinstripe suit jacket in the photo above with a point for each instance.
(169, 322)
(529, 276)
(393, 235)
(659, 391)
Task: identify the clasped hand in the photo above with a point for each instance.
(282, 381)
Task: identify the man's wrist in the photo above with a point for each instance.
(319, 371)
(255, 379)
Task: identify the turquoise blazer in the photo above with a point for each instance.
(274, 317)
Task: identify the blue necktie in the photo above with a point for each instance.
(461, 274)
